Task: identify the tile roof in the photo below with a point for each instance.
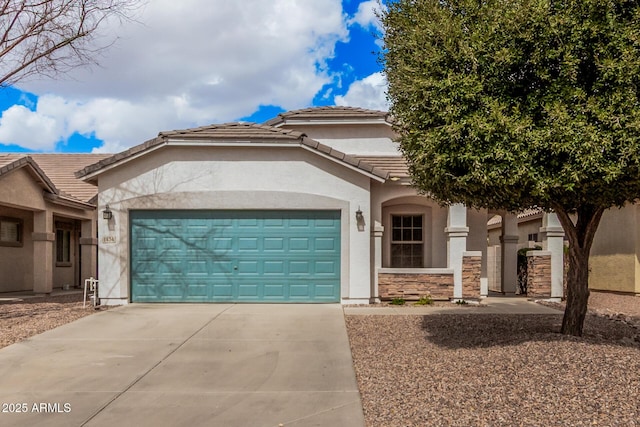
(250, 133)
(234, 132)
(395, 166)
(57, 171)
(522, 216)
(329, 114)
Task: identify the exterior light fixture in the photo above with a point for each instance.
(106, 213)
(360, 219)
(394, 178)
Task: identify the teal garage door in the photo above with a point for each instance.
(235, 256)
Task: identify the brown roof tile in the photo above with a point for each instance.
(329, 113)
(57, 171)
(235, 132)
(393, 165)
(525, 215)
(61, 168)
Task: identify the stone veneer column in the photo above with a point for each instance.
(471, 274)
(89, 251)
(377, 233)
(539, 274)
(457, 232)
(509, 253)
(553, 241)
(43, 238)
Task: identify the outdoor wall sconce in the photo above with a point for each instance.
(360, 220)
(106, 213)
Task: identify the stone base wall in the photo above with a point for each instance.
(413, 286)
(539, 274)
(471, 272)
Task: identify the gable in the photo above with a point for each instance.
(19, 189)
(231, 135)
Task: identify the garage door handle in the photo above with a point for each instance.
(235, 267)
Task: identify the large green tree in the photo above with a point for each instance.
(512, 104)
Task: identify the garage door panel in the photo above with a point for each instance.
(326, 291)
(252, 256)
(248, 243)
(273, 244)
(249, 290)
(274, 267)
(248, 267)
(299, 244)
(326, 267)
(222, 290)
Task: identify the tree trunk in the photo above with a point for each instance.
(577, 292)
(580, 234)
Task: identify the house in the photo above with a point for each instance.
(48, 234)
(314, 205)
(614, 264)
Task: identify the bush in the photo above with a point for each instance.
(425, 300)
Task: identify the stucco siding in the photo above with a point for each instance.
(19, 189)
(16, 263)
(366, 140)
(477, 240)
(233, 178)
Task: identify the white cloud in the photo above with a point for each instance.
(367, 15)
(26, 128)
(188, 63)
(369, 92)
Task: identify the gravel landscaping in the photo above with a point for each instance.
(499, 370)
(24, 318)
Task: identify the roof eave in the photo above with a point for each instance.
(69, 202)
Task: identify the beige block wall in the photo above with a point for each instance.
(613, 273)
(614, 262)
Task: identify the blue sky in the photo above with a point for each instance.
(197, 62)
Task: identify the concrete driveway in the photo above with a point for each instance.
(186, 364)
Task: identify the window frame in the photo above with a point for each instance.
(63, 252)
(402, 228)
(19, 223)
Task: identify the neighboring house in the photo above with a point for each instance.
(614, 260)
(48, 232)
(529, 223)
(312, 206)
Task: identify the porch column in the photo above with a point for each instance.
(88, 251)
(457, 232)
(509, 253)
(43, 238)
(553, 241)
(376, 232)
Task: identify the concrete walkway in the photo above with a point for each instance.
(491, 305)
(185, 365)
